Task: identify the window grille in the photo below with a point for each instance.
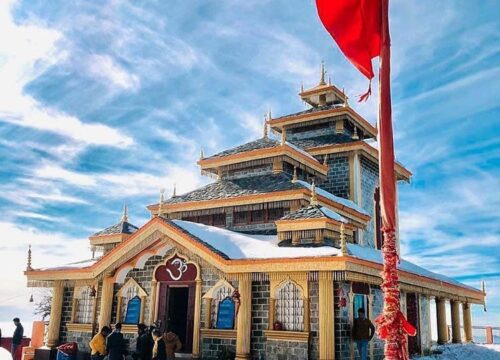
(219, 295)
(131, 292)
(84, 307)
(290, 307)
(240, 217)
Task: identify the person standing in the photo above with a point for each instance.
(144, 344)
(17, 337)
(159, 348)
(115, 344)
(98, 344)
(362, 332)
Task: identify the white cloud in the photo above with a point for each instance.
(105, 69)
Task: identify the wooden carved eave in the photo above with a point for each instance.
(311, 224)
(322, 89)
(107, 239)
(133, 246)
(282, 150)
(366, 149)
(278, 124)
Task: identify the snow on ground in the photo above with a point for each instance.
(5, 354)
(464, 352)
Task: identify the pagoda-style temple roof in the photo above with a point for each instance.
(114, 234)
(262, 143)
(123, 227)
(313, 212)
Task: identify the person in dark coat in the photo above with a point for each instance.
(17, 337)
(115, 344)
(362, 332)
(144, 344)
(159, 348)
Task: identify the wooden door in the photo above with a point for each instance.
(413, 318)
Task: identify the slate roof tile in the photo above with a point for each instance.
(122, 227)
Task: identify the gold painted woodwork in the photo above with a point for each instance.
(326, 318)
(456, 335)
(272, 312)
(55, 314)
(152, 304)
(197, 320)
(79, 327)
(243, 320)
(208, 312)
(218, 333)
(339, 126)
(106, 302)
(296, 336)
(108, 239)
(442, 328)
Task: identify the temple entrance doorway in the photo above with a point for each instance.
(176, 299)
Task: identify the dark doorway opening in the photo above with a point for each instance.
(412, 310)
(178, 312)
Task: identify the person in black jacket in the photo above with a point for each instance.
(17, 337)
(159, 348)
(144, 344)
(115, 344)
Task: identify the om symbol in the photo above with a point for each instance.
(181, 268)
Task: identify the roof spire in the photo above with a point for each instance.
(322, 79)
(294, 178)
(343, 242)
(329, 80)
(201, 153)
(174, 193)
(125, 213)
(162, 199)
(302, 87)
(314, 199)
(346, 103)
(28, 266)
(264, 135)
(325, 160)
(483, 289)
(355, 135)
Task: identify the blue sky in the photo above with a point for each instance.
(102, 105)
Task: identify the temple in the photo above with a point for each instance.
(270, 260)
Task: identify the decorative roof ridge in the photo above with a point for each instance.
(123, 227)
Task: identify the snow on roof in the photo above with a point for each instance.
(75, 265)
(333, 215)
(240, 246)
(332, 197)
(302, 151)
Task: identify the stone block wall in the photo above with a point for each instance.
(260, 317)
(327, 130)
(369, 181)
(337, 181)
(217, 349)
(377, 308)
(254, 171)
(81, 338)
(314, 319)
(286, 350)
(342, 324)
(425, 319)
(66, 314)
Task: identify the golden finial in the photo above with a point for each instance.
(201, 153)
(343, 242)
(314, 199)
(325, 160)
(174, 192)
(294, 178)
(264, 135)
(302, 88)
(28, 266)
(162, 199)
(125, 213)
(346, 103)
(483, 289)
(322, 79)
(329, 80)
(355, 133)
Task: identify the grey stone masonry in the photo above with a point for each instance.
(314, 319)
(218, 349)
(66, 314)
(369, 181)
(286, 350)
(337, 181)
(81, 338)
(377, 308)
(425, 320)
(260, 317)
(342, 324)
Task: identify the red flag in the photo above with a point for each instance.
(361, 30)
(355, 27)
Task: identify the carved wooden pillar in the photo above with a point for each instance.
(467, 322)
(197, 320)
(326, 319)
(74, 307)
(244, 317)
(152, 304)
(306, 314)
(106, 302)
(455, 322)
(143, 308)
(55, 314)
(272, 311)
(119, 305)
(208, 313)
(441, 321)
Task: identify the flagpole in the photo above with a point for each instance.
(395, 339)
